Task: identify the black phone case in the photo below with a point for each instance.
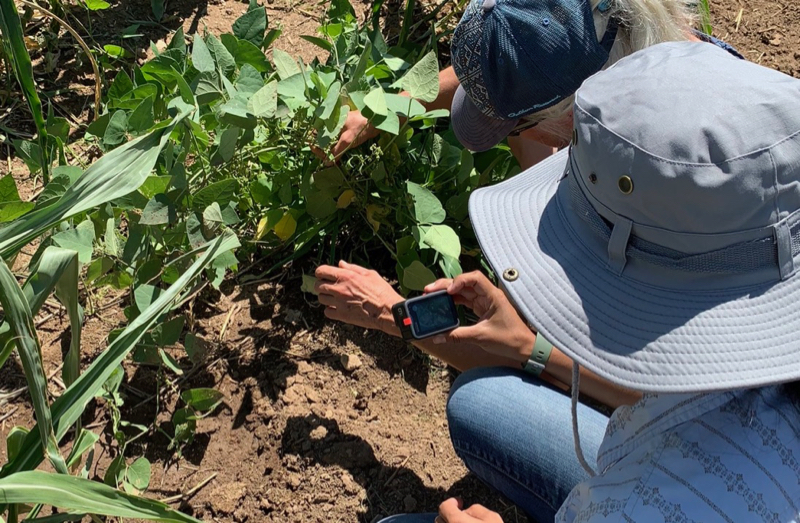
(400, 314)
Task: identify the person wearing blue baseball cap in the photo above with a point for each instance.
(516, 64)
(660, 252)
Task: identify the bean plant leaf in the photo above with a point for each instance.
(97, 5)
(404, 106)
(221, 192)
(427, 207)
(158, 211)
(138, 474)
(376, 101)
(286, 227)
(320, 42)
(80, 239)
(251, 26)
(202, 400)
(201, 56)
(285, 64)
(442, 239)
(221, 55)
(416, 276)
(249, 81)
(264, 102)
(422, 80)
(142, 119)
(117, 127)
(208, 88)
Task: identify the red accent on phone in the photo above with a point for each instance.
(407, 322)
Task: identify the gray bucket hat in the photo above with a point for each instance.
(660, 250)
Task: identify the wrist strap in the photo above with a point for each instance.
(538, 359)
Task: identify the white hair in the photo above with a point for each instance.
(641, 23)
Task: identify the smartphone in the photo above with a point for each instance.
(426, 316)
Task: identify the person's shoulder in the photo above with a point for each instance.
(735, 462)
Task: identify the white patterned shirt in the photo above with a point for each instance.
(725, 457)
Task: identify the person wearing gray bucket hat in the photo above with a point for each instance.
(661, 252)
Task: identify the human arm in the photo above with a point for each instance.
(359, 296)
(358, 130)
(452, 511)
(502, 332)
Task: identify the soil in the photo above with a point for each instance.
(321, 422)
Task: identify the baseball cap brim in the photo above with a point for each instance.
(670, 338)
(476, 131)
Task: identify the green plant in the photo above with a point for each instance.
(55, 269)
(705, 17)
(246, 159)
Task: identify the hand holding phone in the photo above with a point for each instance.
(425, 316)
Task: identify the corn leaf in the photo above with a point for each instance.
(14, 39)
(68, 408)
(55, 264)
(82, 495)
(116, 174)
(18, 315)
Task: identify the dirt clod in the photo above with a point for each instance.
(351, 362)
(225, 498)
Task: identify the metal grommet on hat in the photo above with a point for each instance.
(593, 178)
(625, 184)
(510, 274)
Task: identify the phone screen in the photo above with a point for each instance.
(433, 314)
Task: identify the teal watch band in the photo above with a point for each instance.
(538, 359)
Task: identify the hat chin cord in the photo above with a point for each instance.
(576, 437)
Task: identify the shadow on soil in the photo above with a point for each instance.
(390, 489)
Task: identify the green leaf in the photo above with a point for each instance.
(201, 56)
(320, 205)
(293, 87)
(144, 295)
(121, 86)
(264, 103)
(422, 80)
(84, 443)
(320, 42)
(404, 106)
(142, 118)
(19, 316)
(427, 207)
(138, 474)
(223, 57)
(376, 101)
(157, 6)
(285, 64)
(251, 26)
(170, 362)
(249, 81)
(80, 239)
(178, 41)
(19, 58)
(170, 331)
(234, 112)
(249, 53)
(159, 211)
(185, 425)
(332, 100)
(202, 400)
(14, 441)
(208, 88)
(329, 180)
(97, 5)
(416, 276)
(389, 123)
(442, 239)
(227, 145)
(221, 192)
(154, 185)
(116, 51)
(10, 211)
(82, 495)
(116, 132)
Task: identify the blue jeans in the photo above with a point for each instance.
(514, 432)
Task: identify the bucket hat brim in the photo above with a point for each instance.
(475, 130)
(652, 338)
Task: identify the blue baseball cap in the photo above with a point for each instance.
(517, 57)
